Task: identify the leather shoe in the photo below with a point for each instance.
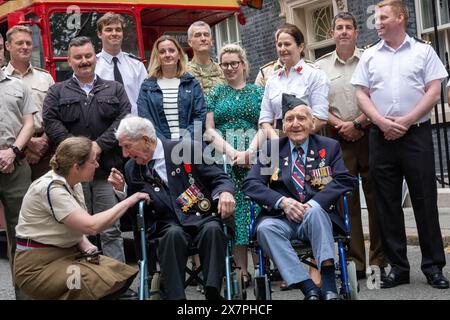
(394, 279)
(330, 295)
(313, 294)
(437, 280)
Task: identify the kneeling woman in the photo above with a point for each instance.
(52, 229)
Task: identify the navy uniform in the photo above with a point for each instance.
(304, 81)
(181, 212)
(397, 81)
(131, 68)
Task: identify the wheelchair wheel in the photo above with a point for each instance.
(352, 280)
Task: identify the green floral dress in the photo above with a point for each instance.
(236, 115)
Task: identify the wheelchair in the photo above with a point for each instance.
(347, 283)
(149, 284)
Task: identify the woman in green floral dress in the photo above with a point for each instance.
(231, 127)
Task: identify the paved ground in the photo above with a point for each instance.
(417, 290)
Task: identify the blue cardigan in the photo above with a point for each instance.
(191, 105)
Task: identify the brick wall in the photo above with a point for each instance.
(363, 13)
(257, 35)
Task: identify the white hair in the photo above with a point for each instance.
(135, 127)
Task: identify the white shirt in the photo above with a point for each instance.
(169, 88)
(396, 79)
(132, 70)
(309, 84)
(160, 163)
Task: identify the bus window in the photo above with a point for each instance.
(66, 26)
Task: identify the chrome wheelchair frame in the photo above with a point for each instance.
(149, 279)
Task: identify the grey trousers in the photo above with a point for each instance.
(99, 196)
(274, 236)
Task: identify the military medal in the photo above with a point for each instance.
(177, 170)
(274, 176)
(286, 162)
(173, 173)
(204, 205)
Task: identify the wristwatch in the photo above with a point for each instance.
(19, 153)
(357, 124)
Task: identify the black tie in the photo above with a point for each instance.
(117, 75)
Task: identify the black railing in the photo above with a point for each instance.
(443, 151)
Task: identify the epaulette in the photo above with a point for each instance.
(311, 64)
(422, 41)
(271, 63)
(132, 56)
(324, 56)
(371, 45)
(40, 69)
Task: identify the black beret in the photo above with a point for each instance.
(289, 102)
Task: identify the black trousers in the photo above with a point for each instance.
(174, 241)
(412, 157)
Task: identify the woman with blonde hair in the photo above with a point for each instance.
(171, 98)
(54, 258)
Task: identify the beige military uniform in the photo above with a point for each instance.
(266, 71)
(355, 154)
(41, 220)
(38, 80)
(342, 94)
(208, 75)
(16, 102)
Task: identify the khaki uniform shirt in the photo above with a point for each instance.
(38, 80)
(38, 222)
(341, 97)
(265, 71)
(207, 75)
(16, 101)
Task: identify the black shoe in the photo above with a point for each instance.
(330, 295)
(394, 279)
(437, 280)
(212, 293)
(313, 294)
(360, 275)
(129, 294)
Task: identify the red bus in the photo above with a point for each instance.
(55, 22)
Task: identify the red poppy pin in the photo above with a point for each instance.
(187, 167)
(322, 153)
(299, 69)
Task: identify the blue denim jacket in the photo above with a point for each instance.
(191, 105)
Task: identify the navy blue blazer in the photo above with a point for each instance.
(164, 207)
(265, 187)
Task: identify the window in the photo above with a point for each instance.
(227, 32)
(65, 26)
(314, 20)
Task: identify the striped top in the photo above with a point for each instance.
(169, 88)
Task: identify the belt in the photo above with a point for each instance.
(31, 243)
(413, 126)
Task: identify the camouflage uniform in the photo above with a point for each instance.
(208, 75)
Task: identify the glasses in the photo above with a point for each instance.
(234, 65)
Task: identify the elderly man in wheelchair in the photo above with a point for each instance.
(188, 200)
(297, 181)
